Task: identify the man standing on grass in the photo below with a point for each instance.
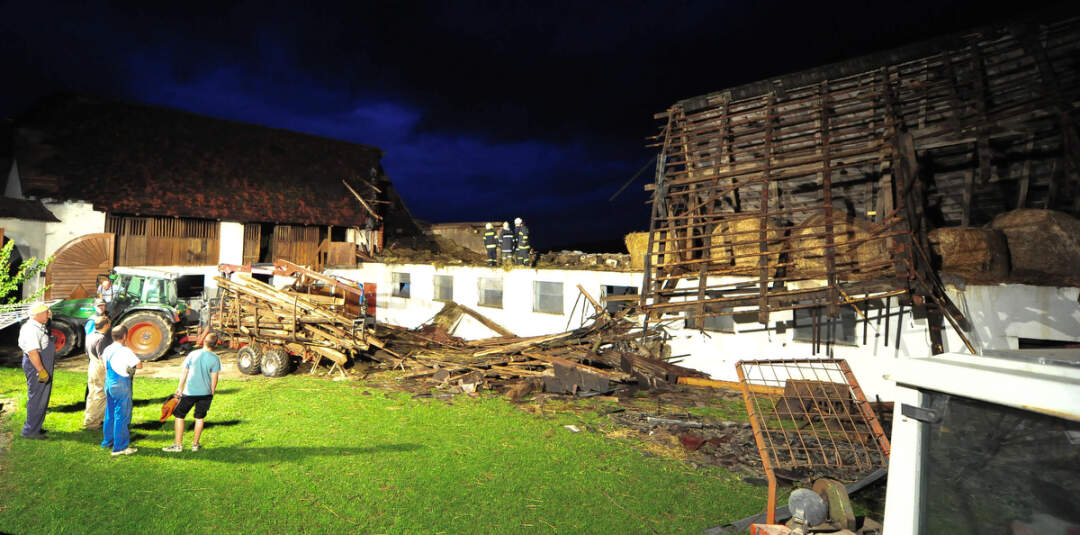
(197, 386)
(38, 351)
(120, 365)
(96, 342)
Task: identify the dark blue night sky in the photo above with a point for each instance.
(485, 110)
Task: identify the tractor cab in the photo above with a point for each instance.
(143, 299)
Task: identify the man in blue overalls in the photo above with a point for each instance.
(120, 365)
(39, 350)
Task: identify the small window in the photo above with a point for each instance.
(547, 297)
(444, 288)
(490, 292)
(402, 288)
(619, 297)
(839, 330)
(722, 322)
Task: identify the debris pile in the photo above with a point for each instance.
(596, 358)
(581, 260)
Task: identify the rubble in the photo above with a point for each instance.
(596, 358)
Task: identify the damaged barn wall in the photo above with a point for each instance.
(819, 188)
(516, 313)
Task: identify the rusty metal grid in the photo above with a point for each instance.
(810, 414)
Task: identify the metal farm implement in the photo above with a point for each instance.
(810, 418)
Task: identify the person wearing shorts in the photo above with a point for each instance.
(197, 385)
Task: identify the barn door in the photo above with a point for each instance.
(78, 263)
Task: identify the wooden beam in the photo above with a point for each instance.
(763, 247)
(361, 199)
(731, 385)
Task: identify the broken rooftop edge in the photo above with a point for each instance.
(864, 63)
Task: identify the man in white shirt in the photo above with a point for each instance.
(120, 365)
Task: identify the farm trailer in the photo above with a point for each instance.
(317, 317)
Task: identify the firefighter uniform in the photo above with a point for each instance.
(506, 244)
(522, 242)
(491, 245)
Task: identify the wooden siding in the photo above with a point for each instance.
(297, 244)
(164, 241)
(77, 264)
(252, 242)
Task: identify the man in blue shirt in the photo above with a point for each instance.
(197, 386)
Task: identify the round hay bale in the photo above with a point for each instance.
(1044, 245)
(737, 243)
(808, 249)
(976, 254)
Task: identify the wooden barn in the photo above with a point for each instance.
(101, 183)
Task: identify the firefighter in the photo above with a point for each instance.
(506, 242)
(491, 244)
(522, 238)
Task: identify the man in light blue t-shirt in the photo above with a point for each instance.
(197, 385)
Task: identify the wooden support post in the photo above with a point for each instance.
(1025, 178)
(826, 187)
(763, 246)
(969, 188)
(657, 211)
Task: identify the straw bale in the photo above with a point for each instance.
(1044, 245)
(636, 244)
(976, 254)
(733, 240)
(808, 248)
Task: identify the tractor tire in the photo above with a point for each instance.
(275, 362)
(148, 334)
(248, 360)
(67, 338)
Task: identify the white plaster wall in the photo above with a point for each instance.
(231, 240)
(41, 239)
(516, 313)
(1004, 313)
(76, 219)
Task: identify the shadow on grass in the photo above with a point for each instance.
(154, 425)
(79, 406)
(240, 454)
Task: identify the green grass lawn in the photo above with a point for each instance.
(302, 454)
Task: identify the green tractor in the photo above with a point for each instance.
(146, 303)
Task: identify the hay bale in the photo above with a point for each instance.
(975, 254)
(733, 240)
(637, 243)
(1044, 245)
(850, 252)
